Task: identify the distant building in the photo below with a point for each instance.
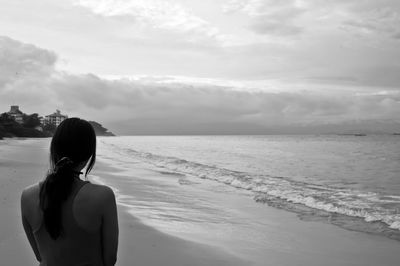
(16, 114)
(55, 118)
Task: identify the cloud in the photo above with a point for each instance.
(157, 106)
(158, 14)
(292, 17)
(266, 25)
(372, 20)
(269, 17)
(24, 68)
(333, 79)
(23, 61)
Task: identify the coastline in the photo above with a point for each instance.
(162, 200)
(141, 244)
(24, 162)
(288, 241)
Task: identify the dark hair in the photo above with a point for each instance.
(73, 143)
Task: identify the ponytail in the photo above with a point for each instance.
(73, 144)
(54, 191)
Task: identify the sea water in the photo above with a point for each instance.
(350, 181)
(216, 190)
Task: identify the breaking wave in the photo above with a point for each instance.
(369, 206)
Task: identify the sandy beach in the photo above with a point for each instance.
(289, 240)
(23, 162)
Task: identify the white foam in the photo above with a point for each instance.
(366, 205)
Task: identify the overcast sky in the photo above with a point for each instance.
(210, 66)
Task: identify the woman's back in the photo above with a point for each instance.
(82, 212)
(66, 220)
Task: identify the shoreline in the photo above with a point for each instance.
(287, 239)
(23, 164)
(171, 250)
(340, 197)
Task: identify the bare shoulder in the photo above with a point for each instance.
(30, 200)
(94, 201)
(30, 193)
(91, 204)
(100, 190)
(99, 193)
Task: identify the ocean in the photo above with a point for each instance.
(220, 184)
(268, 200)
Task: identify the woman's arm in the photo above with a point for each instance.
(27, 226)
(109, 228)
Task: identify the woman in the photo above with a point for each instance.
(69, 221)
